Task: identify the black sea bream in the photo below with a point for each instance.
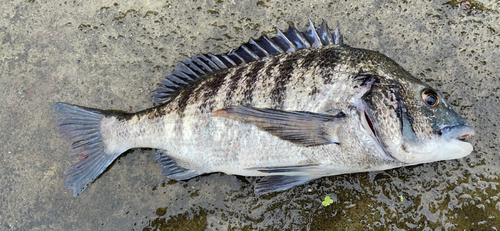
(292, 108)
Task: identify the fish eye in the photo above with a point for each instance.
(430, 97)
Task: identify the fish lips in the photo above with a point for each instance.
(460, 133)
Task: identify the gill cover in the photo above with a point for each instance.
(414, 124)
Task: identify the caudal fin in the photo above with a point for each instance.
(81, 127)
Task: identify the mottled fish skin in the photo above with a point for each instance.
(292, 82)
(315, 111)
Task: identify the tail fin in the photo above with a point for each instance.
(82, 128)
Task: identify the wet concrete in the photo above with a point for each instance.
(110, 55)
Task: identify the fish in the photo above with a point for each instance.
(289, 109)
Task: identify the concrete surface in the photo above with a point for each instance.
(108, 54)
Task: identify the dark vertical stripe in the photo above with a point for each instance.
(285, 71)
(182, 103)
(209, 89)
(328, 59)
(273, 62)
(311, 58)
(183, 99)
(233, 84)
(251, 78)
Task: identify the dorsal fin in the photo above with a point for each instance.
(197, 67)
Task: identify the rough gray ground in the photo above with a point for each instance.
(110, 55)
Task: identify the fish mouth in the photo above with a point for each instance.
(459, 132)
(454, 139)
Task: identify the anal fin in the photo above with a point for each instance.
(270, 184)
(171, 170)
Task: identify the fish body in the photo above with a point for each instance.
(292, 108)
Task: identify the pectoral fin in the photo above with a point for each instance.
(299, 127)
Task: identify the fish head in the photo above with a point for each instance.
(411, 122)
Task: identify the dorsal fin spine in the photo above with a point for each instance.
(283, 42)
(230, 62)
(189, 63)
(312, 35)
(206, 59)
(182, 66)
(182, 75)
(192, 69)
(236, 58)
(168, 83)
(337, 36)
(258, 50)
(173, 81)
(246, 54)
(267, 44)
(217, 61)
(323, 31)
(296, 38)
(201, 64)
(250, 52)
(206, 62)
